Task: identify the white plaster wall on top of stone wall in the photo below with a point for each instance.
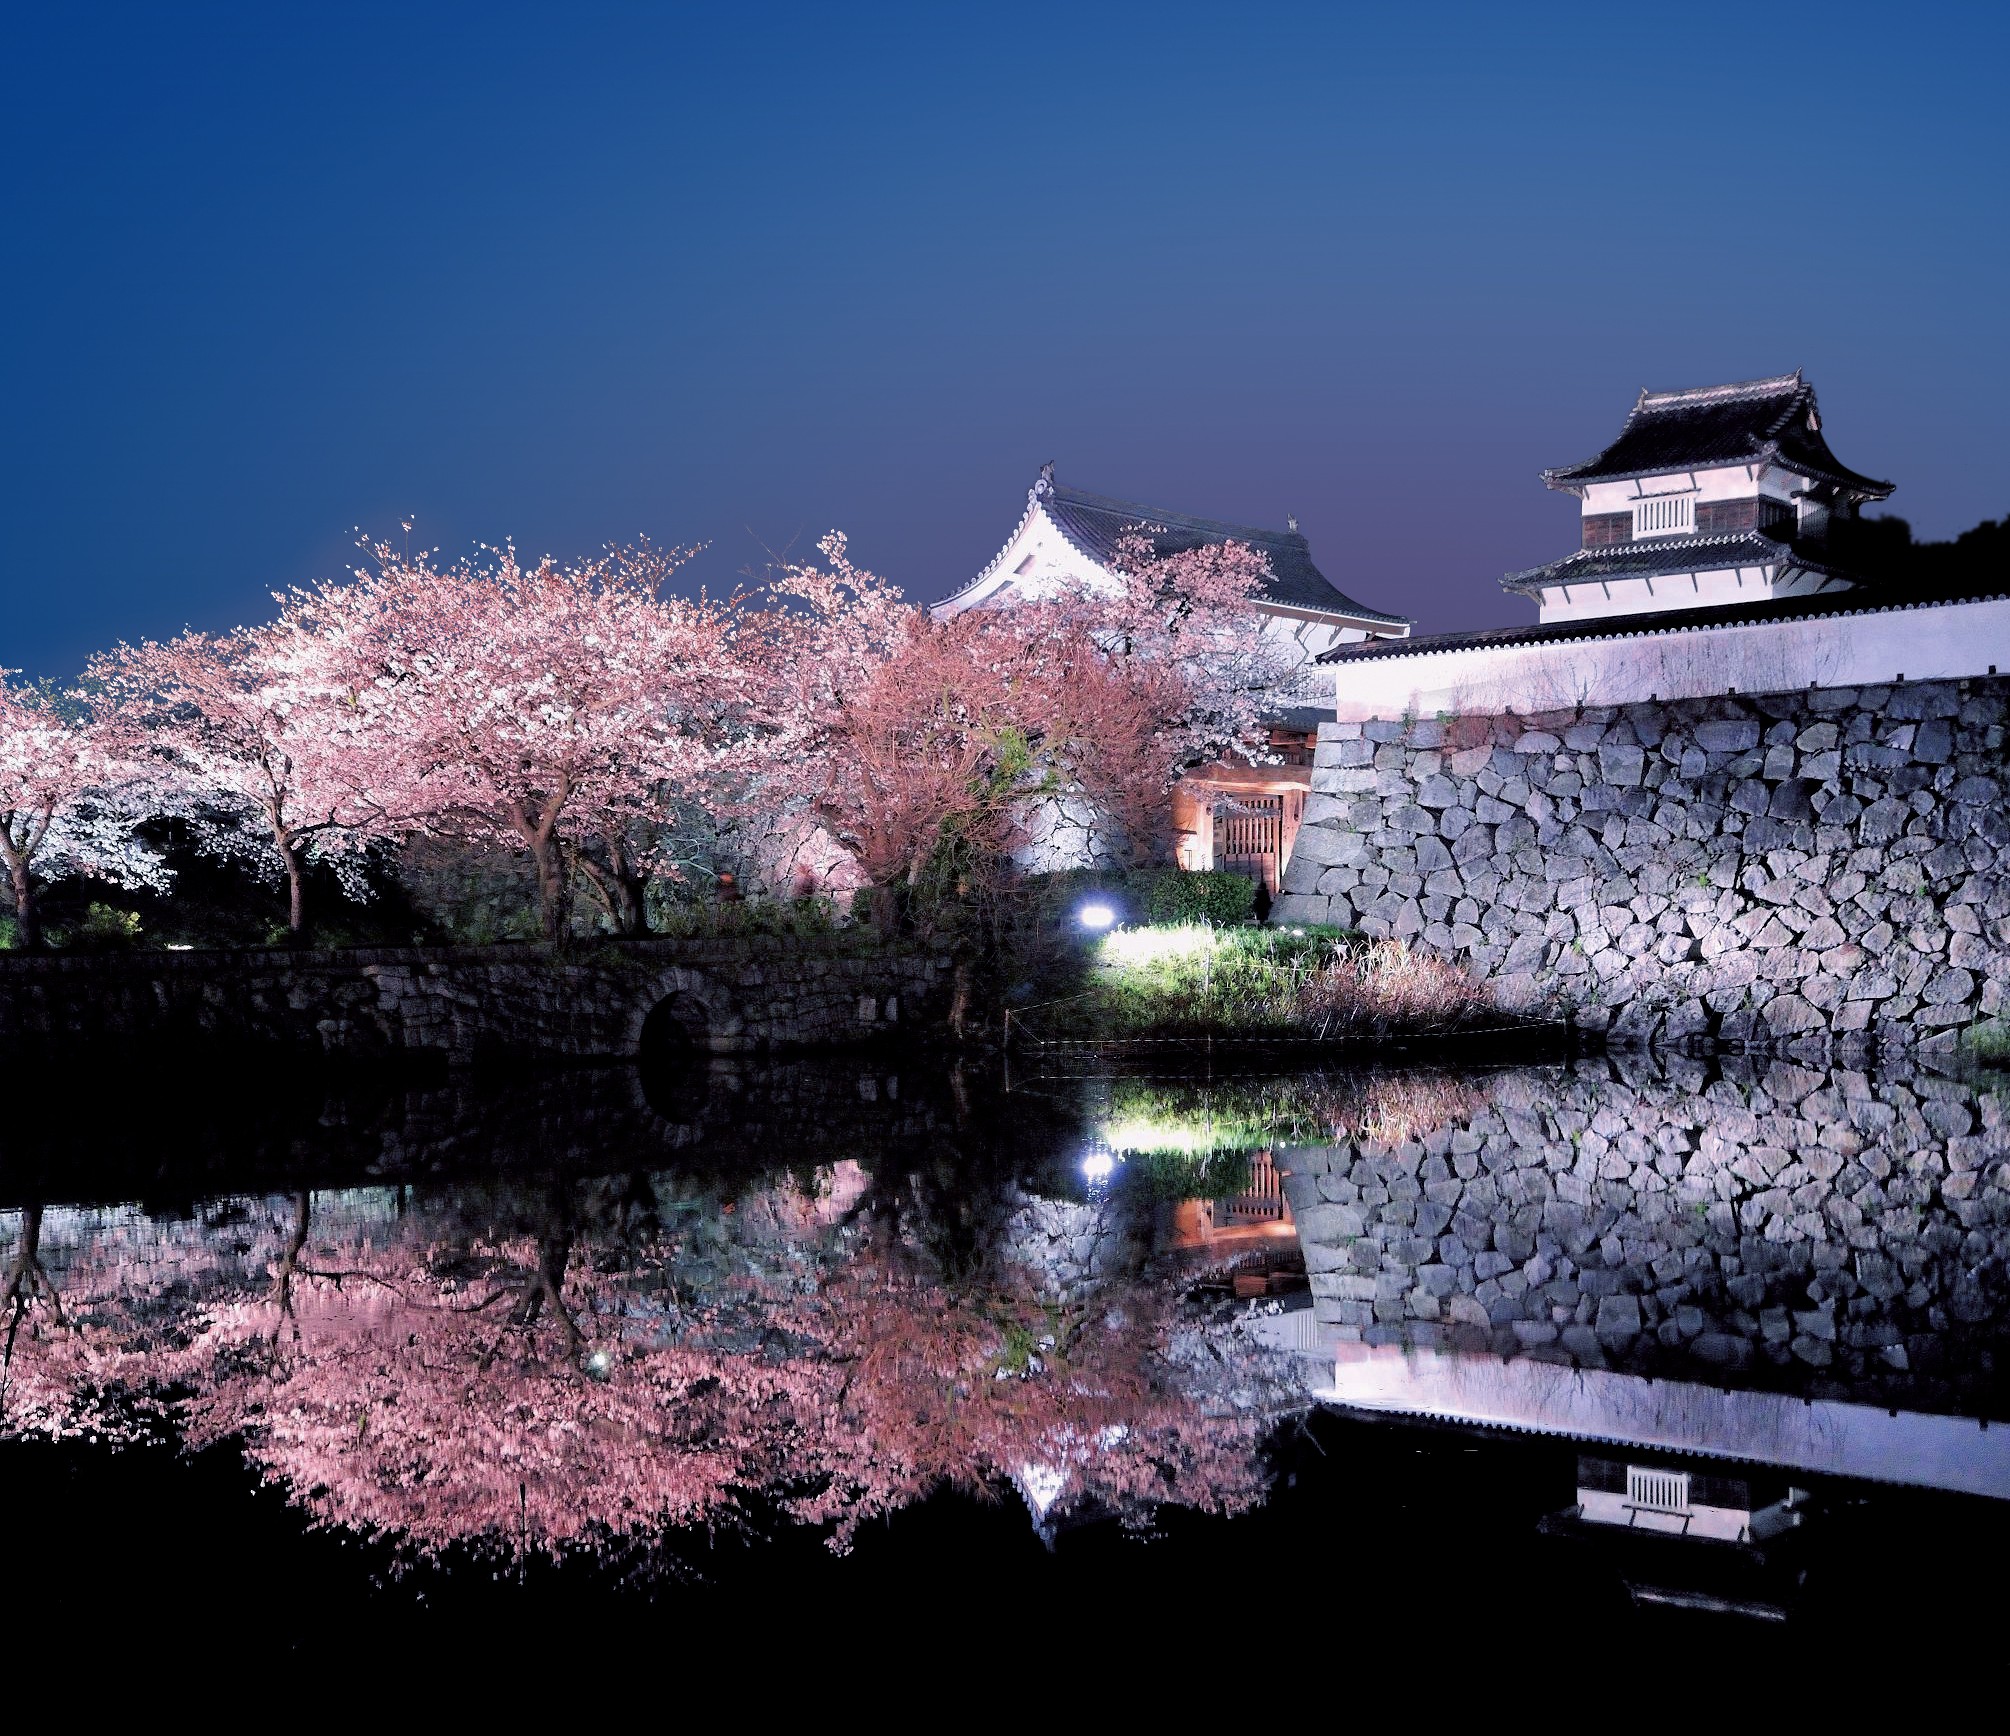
(1809, 872)
(1932, 643)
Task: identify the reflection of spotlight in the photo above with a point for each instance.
(599, 1366)
(1095, 916)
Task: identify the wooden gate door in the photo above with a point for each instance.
(1249, 837)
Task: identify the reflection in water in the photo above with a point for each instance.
(1839, 1234)
(1857, 1441)
(578, 1312)
(547, 1359)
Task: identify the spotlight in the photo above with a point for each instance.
(1095, 916)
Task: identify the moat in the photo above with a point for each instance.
(603, 1340)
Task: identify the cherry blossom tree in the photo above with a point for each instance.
(905, 730)
(1169, 670)
(559, 710)
(912, 732)
(972, 1385)
(500, 1394)
(60, 812)
(247, 737)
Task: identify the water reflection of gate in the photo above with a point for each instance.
(1249, 1235)
(1262, 1201)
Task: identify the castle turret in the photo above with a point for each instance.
(1715, 495)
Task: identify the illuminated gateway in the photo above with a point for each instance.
(1226, 816)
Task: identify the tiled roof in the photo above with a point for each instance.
(1094, 523)
(1653, 557)
(1754, 421)
(1802, 608)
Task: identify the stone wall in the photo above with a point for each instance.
(1808, 873)
(461, 1004)
(1825, 1230)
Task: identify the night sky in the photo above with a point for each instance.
(737, 274)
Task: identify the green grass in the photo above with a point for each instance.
(1192, 980)
(1194, 1139)
(1986, 1044)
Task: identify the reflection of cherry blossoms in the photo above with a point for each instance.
(559, 1390)
(489, 1393)
(62, 1365)
(1082, 1405)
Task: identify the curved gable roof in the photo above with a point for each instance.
(1749, 422)
(1094, 524)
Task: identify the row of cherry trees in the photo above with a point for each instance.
(571, 712)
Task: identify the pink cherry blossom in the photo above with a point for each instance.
(60, 805)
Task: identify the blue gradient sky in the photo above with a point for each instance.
(738, 274)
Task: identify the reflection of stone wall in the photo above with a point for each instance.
(1800, 872)
(742, 993)
(1070, 1248)
(1823, 1228)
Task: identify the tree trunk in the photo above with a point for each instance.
(547, 855)
(959, 1001)
(26, 920)
(296, 889)
(547, 1284)
(886, 910)
(619, 889)
(548, 868)
(26, 1279)
(20, 1279)
(288, 1266)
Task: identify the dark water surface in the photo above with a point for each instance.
(594, 1348)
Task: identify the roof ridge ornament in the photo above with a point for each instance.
(1043, 488)
(1291, 522)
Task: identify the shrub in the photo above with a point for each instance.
(809, 918)
(1172, 895)
(1191, 1175)
(106, 928)
(1163, 897)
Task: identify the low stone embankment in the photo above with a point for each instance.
(1807, 873)
(462, 1004)
(1828, 1230)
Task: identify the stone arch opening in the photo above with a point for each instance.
(672, 1051)
(677, 1030)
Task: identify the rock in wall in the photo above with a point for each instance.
(741, 994)
(1808, 873)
